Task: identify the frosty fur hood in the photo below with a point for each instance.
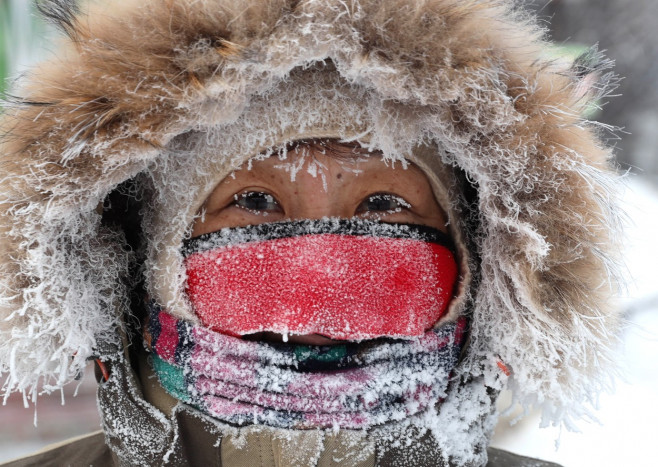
(168, 91)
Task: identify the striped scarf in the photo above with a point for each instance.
(351, 385)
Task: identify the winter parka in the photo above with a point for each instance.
(109, 148)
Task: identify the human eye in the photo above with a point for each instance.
(382, 203)
(257, 202)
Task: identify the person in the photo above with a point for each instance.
(306, 233)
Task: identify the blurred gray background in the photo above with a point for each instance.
(627, 30)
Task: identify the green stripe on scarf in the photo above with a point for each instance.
(172, 379)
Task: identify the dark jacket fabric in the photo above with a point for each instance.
(92, 451)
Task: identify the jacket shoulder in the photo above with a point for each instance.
(84, 450)
(500, 458)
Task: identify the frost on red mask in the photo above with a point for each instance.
(343, 279)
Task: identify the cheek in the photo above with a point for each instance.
(437, 219)
(231, 216)
(211, 222)
(429, 208)
(431, 214)
(406, 217)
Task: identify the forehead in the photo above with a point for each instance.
(321, 157)
(335, 148)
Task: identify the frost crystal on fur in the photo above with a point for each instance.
(177, 94)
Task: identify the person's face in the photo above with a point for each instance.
(325, 186)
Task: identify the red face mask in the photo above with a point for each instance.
(347, 279)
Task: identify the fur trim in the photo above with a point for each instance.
(160, 89)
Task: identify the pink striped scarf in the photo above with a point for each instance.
(353, 385)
